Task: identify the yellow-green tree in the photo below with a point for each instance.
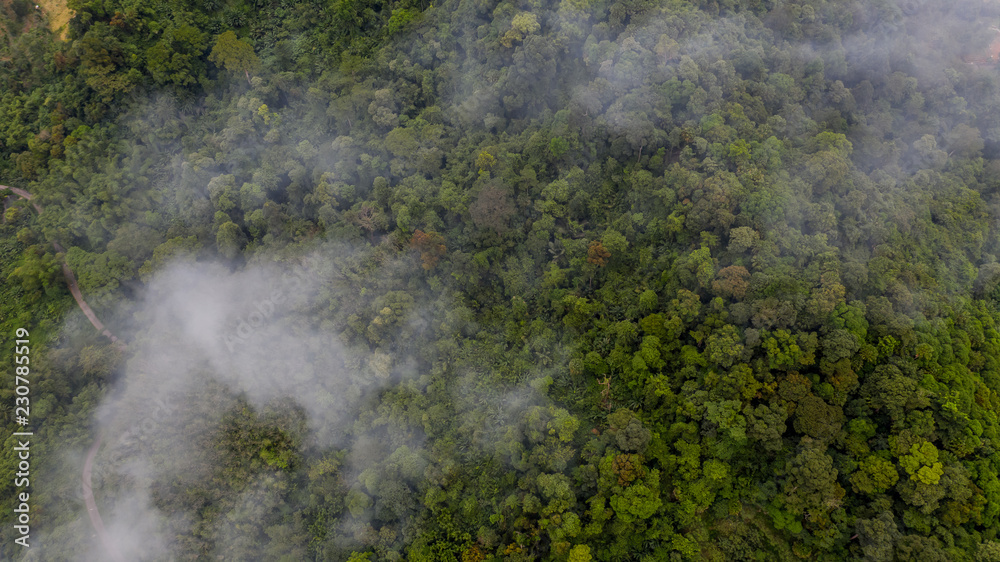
(234, 54)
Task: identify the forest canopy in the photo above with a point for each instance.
(506, 280)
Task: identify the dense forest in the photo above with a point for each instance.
(470, 280)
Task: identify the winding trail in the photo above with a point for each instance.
(88, 465)
(74, 288)
(88, 498)
(78, 296)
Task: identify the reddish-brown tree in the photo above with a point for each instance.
(431, 247)
(597, 254)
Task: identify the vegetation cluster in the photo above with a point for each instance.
(639, 279)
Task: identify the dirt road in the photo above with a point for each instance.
(88, 465)
(88, 499)
(74, 289)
